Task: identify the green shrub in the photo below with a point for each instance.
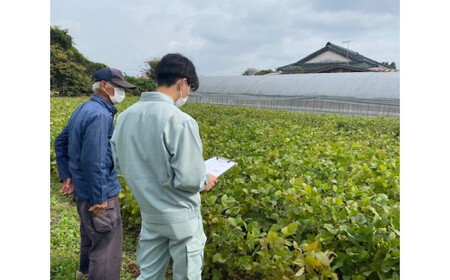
(142, 84)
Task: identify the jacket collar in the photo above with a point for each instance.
(96, 98)
(156, 96)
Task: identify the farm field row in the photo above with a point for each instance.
(312, 196)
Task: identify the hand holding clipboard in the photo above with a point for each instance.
(218, 165)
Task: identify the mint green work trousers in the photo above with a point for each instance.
(184, 242)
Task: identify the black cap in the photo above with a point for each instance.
(112, 75)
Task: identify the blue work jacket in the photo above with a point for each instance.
(83, 151)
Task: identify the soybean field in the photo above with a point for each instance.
(313, 196)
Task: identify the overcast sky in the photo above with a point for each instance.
(227, 37)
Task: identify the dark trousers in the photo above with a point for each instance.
(101, 240)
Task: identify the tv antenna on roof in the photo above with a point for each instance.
(348, 43)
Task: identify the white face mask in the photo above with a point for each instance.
(119, 95)
(181, 101)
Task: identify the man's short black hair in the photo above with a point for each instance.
(174, 66)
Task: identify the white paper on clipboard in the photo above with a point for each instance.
(218, 165)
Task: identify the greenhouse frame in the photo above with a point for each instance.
(358, 93)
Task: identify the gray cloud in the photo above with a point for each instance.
(226, 37)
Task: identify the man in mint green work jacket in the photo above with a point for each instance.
(157, 149)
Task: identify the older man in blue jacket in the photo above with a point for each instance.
(85, 165)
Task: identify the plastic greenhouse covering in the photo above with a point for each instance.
(359, 93)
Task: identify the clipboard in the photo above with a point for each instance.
(218, 165)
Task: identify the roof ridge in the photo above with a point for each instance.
(353, 54)
(343, 49)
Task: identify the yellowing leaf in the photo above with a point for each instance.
(279, 242)
(312, 246)
(312, 262)
(322, 258)
(271, 237)
(290, 229)
(299, 261)
(264, 242)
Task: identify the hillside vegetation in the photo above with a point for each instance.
(71, 72)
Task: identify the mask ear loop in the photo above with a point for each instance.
(187, 85)
(181, 90)
(106, 84)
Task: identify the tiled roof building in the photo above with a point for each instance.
(333, 58)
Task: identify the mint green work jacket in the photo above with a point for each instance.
(158, 150)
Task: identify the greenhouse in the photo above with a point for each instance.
(359, 93)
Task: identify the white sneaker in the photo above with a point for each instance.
(80, 275)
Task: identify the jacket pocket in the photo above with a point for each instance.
(108, 220)
(194, 251)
